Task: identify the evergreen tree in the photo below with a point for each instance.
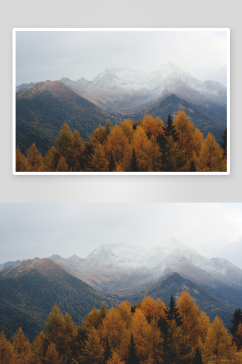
(132, 358)
(170, 129)
(224, 143)
(111, 163)
(168, 346)
(166, 160)
(192, 167)
(236, 319)
(197, 358)
(134, 166)
(173, 313)
(108, 351)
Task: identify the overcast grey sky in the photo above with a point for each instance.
(39, 230)
(42, 55)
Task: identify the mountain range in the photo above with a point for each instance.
(121, 271)
(116, 94)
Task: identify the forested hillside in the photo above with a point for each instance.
(145, 333)
(42, 109)
(30, 290)
(148, 145)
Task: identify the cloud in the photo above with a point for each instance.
(43, 55)
(30, 230)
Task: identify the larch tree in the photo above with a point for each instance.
(185, 129)
(6, 350)
(99, 135)
(154, 155)
(190, 313)
(76, 153)
(64, 141)
(50, 160)
(21, 161)
(94, 350)
(34, 159)
(140, 330)
(39, 345)
(117, 144)
(68, 338)
(99, 162)
(52, 355)
(116, 331)
(238, 337)
(22, 348)
(211, 157)
(219, 345)
(115, 359)
(152, 309)
(54, 326)
(62, 165)
(127, 128)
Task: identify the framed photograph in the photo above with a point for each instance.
(121, 283)
(121, 101)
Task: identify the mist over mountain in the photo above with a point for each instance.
(121, 268)
(125, 90)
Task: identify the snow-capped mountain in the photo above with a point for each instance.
(114, 88)
(111, 266)
(122, 268)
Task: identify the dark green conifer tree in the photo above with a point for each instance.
(192, 167)
(197, 358)
(224, 143)
(108, 128)
(111, 164)
(168, 346)
(134, 166)
(173, 313)
(103, 311)
(166, 160)
(108, 352)
(132, 358)
(236, 319)
(170, 129)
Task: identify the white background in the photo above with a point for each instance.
(126, 13)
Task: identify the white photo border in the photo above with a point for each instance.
(15, 30)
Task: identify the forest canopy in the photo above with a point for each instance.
(147, 145)
(145, 333)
